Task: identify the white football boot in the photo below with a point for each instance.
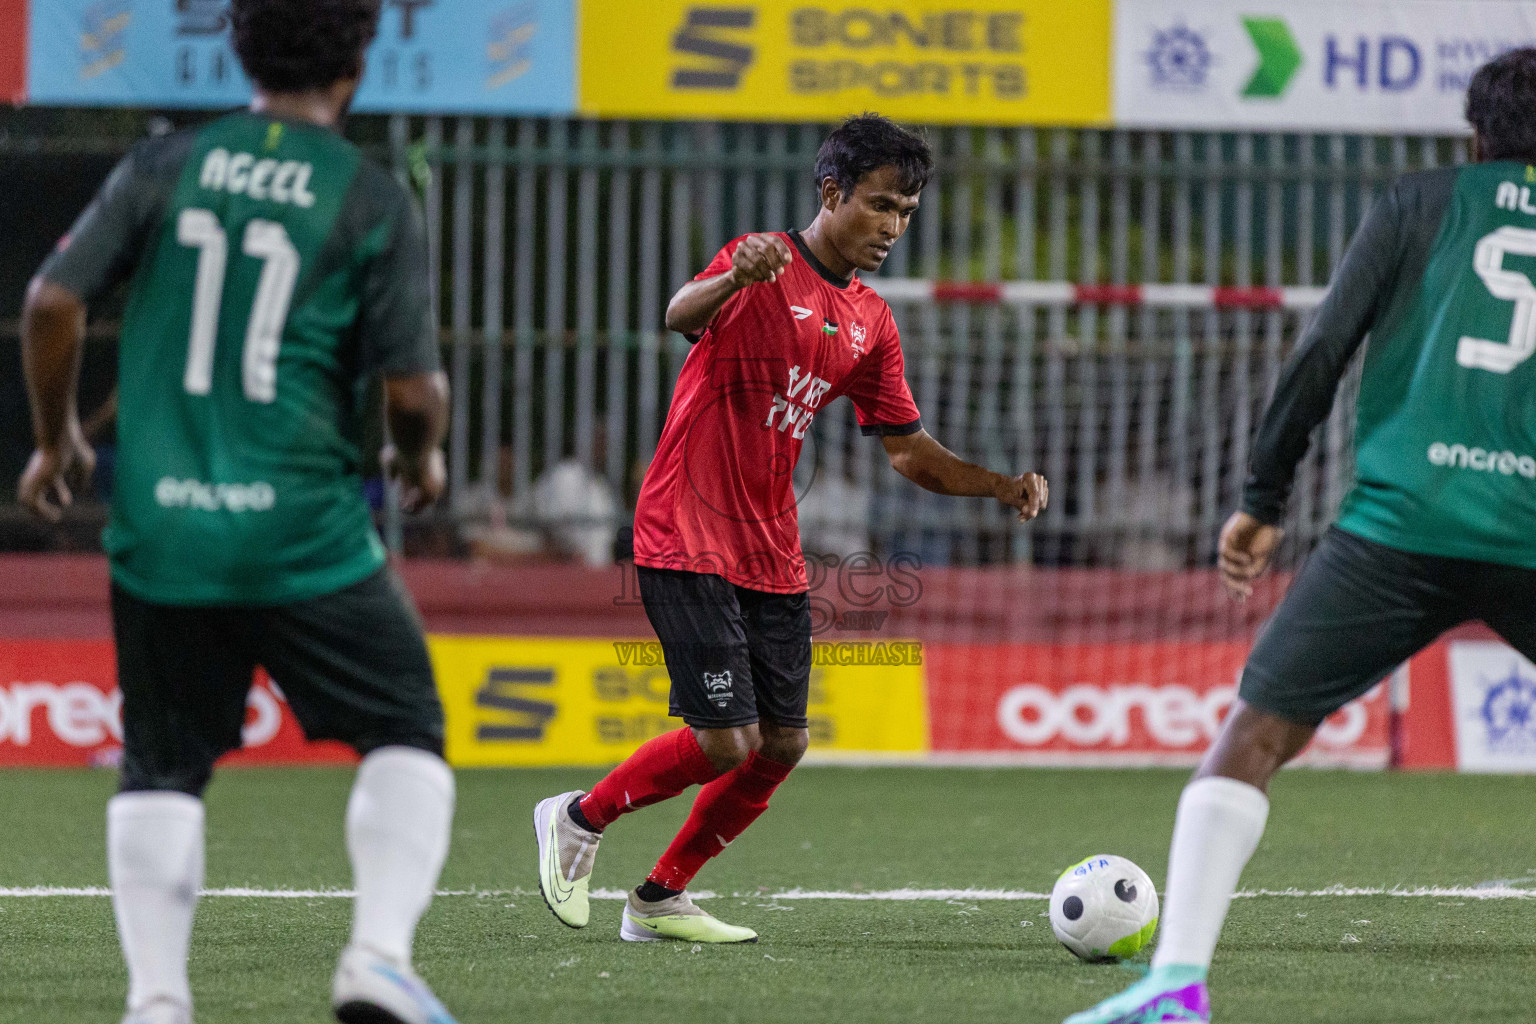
(370, 989)
(566, 853)
(160, 1011)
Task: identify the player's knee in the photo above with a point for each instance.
(1254, 745)
(786, 746)
(728, 749)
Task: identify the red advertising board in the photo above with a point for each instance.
(1111, 703)
(13, 51)
(60, 706)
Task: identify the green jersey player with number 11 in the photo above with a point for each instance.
(1436, 530)
(274, 272)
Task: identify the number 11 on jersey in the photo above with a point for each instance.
(267, 241)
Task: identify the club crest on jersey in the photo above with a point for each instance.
(717, 685)
(801, 313)
(857, 333)
(828, 327)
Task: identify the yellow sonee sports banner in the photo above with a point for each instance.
(539, 701)
(996, 62)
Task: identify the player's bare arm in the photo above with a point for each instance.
(931, 466)
(417, 410)
(52, 340)
(759, 259)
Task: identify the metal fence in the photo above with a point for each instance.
(557, 244)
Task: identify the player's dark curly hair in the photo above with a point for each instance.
(868, 142)
(1501, 105)
(297, 45)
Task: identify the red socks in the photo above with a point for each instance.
(658, 771)
(722, 812)
(665, 767)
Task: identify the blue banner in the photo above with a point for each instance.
(431, 56)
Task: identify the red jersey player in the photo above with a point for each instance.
(782, 326)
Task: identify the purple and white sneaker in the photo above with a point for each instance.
(1168, 995)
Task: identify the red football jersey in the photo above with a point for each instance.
(719, 495)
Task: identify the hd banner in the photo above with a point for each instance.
(1001, 62)
(431, 56)
(1392, 66)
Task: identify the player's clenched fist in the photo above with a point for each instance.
(759, 259)
(1028, 493)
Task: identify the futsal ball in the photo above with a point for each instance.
(1104, 908)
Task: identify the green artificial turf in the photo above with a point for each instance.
(497, 957)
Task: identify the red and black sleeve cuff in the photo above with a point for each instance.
(891, 429)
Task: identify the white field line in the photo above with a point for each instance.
(1479, 892)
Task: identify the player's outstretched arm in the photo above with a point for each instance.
(52, 339)
(758, 259)
(416, 407)
(931, 466)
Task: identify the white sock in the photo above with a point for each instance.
(1218, 827)
(155, 862)
(398, 821)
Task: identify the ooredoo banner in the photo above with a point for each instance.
(431, 56)
(945, 61)
(60, 706)
(1113, 704)
(1398, 66)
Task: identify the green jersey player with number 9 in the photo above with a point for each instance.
(1436, 529)
(274, 273)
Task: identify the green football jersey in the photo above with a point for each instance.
(274, 272)
(1441, 277)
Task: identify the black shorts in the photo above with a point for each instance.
(353, 665)
(1359, 609)
(734, 655)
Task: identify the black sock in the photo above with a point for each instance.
(652, 892)
(574, 810)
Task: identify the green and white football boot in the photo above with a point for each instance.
(160, 1011)
(566, 853)
(372, 989)
(679, 919)
(1167, 995)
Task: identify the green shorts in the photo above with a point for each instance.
(352, 665)
(1359, 609)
